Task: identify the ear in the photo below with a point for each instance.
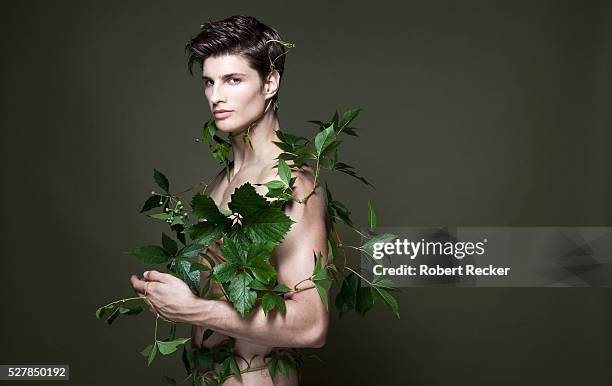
(271, 84)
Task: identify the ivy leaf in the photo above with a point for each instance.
(246, 201)
(267, 225)
(170, 346)
(205, 360)
(224, 272)
(182, 269)
(112, 316)
(346, 299)
(241, 295)
(388, 299)
(169, 244)
(321, 279)
(205, 233)
(284, 172)
(149, 352)
(368, 246)
(270, 300)
(204, 207)
(161, 180)
(231, 252)
(220, 152)
(284, 365)
(347, 118)
(207, 334)
(209, 129)
(160, 216)
(365, 300)
(281, 288)
(348, 169)
(261, 269)
(324, 139)
(191, 251)
(151, 203)
(130, 310)
(371, 216)
(150, 254)
(272, 365)
(100, 312)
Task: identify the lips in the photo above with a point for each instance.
(222, 113)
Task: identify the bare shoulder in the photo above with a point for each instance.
(315, 203)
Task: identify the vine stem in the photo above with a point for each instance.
(295, 287)
(314, 184)
(358, 274)
(123, 300)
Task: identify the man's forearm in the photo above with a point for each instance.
(303, 324)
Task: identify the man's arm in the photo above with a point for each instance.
(306, 319)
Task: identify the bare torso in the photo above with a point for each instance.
(221, 194)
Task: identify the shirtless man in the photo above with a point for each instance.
(239, 79)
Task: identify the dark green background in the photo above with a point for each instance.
(474, 113)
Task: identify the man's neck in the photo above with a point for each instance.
(261, 136)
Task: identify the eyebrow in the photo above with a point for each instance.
(226, 76)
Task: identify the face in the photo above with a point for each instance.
(231, 84)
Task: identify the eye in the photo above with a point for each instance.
(206, 82)
(234, 80)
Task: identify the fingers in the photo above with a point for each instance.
(137, 284)
(156, 276)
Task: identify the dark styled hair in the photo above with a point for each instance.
(242, 35)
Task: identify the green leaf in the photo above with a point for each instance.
(209, 129)
(147, 350)
(281, 288)
(272, 366)
(388, 299)
(160, 216)
(322, 293)
(204, 207)
(365, 300)
(205, 233)
(270, 300)
(152, 354)
(182, 269)
(348, 169)
(103, 310)
(284, 171)
(205, 360)
(151, 203)
(224, 272)
(267, 225)
(170, 346)
(245, 200)
(241, 295)
(261, 269)
(113, 316)
(368, 246)
(231, 252)
(207, 334)
(346, 299)
(191, 251)
(371, 216)
(161, 180)
(220, 152)
(169, 244)
(284, 366)
(324, 139)
(150, 254)
(130, 310)
(347, 118)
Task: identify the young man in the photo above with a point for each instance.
(241, 89)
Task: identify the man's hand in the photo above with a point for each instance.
(168, 295)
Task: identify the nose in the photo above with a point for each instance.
(216, 95)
